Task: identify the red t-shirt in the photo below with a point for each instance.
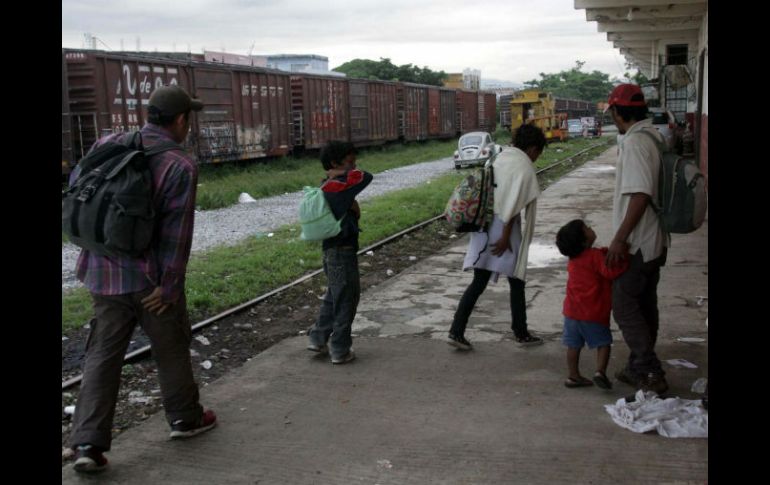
(589, 286)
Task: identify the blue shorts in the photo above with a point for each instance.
(581, 332)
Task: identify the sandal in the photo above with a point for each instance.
(580, 382)
(601, 381)
(528, 340)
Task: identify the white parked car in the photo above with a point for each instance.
(574, 128)
(475, 149)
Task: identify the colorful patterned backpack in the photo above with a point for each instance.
(471, 206)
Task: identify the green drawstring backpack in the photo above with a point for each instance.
(316, 217)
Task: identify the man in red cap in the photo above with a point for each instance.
(638, 236)
(148, 289)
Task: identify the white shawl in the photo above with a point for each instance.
(516, 190)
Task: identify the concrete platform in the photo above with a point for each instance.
(412, 410)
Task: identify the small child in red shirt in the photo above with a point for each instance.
(588, 302)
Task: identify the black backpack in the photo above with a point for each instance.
(109, 208)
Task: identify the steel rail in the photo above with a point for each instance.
(138, 352)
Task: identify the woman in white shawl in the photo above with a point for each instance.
(503, 249)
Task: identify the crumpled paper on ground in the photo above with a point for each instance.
(245, 198)
(672, 417)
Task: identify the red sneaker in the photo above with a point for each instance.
(181, 430)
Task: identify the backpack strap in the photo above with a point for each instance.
(662, 148)
(657, 205)
(158, 148)
(161, 147)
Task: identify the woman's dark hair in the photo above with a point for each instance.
(527, 136)
(571, 238)
(335, 152)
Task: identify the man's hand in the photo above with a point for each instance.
(356, 210)
(153, 303)
(502, 245)
(617, 252)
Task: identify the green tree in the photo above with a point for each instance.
(637, 78)
(575, 84)
(385, 70)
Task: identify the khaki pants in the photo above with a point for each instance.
(170, 335)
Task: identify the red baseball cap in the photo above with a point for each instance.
(623, 93)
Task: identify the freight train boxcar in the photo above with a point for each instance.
(320, 110)
(441, 112)
(373, 114)
(413, 111)
(252, 112)
(246, 110)
(574, 108)
(467, 111)
(487, 112)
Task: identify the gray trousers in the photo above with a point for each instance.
(340, 301)
(170, 335)
(635, 308)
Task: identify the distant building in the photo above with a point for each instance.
(305, 63)
(227, 58)
(468, 79)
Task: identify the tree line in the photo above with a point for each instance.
(572, 83)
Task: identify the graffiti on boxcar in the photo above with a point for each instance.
(146, 86)
(255, 140)
(219, 139)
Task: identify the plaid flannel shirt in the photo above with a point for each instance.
(175, 179)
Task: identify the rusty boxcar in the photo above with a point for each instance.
(467, 111)
(487, 112)
(246, 110)
(252, 112)
(574, 108)
(320, 110)
(441, 112)
(413, 111)
(373, 113)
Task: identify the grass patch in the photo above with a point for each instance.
(76, 309)
(226, 276)
(220, 185)
(223, 277)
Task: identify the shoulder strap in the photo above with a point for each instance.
(657, 204)
(163, 146)
(661, 145)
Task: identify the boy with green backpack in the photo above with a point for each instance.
(331, 333)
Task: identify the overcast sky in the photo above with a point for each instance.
(509, 40)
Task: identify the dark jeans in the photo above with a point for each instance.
(340, 301)
(635, 308)
(474, 291)
(170, 335)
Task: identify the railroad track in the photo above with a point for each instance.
(143, 351)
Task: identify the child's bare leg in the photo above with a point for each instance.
(573, 358)
(602, 359)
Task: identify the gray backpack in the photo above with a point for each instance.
(682, 198)
(109, 209)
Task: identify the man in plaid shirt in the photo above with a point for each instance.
(148, 290)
